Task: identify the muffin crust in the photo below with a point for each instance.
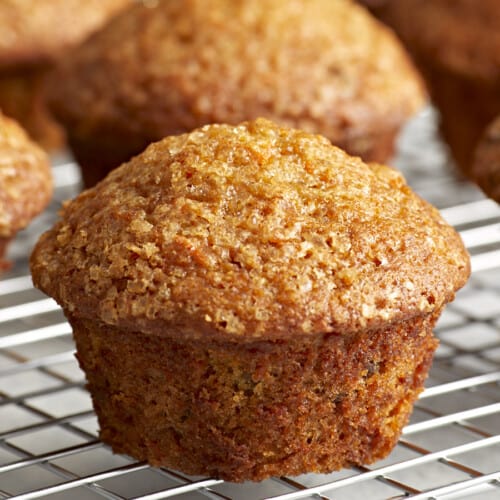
(39, 31)
(25, 180)
(187, 218)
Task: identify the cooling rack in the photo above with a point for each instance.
(49, 444)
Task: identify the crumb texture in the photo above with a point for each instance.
(249, 231)
(253, 410)
(25, 178)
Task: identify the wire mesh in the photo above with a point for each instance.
(49, 444)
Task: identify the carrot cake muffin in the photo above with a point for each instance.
(324, 66)
(25, 181)
(250, 301)
(456, 44)
(34, 33)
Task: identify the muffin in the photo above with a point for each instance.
(486, 166)
(456, 44)
(250, 301)
(373, 4)
(34, 34)
(25, 182)
(321, 65)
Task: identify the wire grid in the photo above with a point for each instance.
(49, 445)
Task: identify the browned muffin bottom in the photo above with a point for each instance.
(22, 97)
(456, 45)
(35, 33)
(323, 65)
(251, 301)
(25, 181)
(486, 167)
(258, 409)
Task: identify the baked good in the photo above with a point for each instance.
(25, 182)
(373, 5)
(456, 45)
(486, 165)
(321, 65)
(250, 301)
(34, 34)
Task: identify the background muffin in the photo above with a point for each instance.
(34, 34)
(251, 301)
(25, 181)
(322, 65)
(456, 44)
(486, 167)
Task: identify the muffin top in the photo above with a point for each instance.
(36, 31)
(486, 165)
(463, 35)
(322, 65)
(25, 178)
(249, 231)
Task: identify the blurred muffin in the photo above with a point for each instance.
(486, 166)
(25, 182)
(373, 4)
(34, 34)
(321, 65)
(456, 44)
(250, 301)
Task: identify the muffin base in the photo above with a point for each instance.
(4, 243)
(108, 149)
(247, 411)
(99, 156)
(487, 161)
(22, 98)
(466, 107)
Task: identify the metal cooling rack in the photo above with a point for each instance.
(451, 448)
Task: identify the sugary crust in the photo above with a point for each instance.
(486, 167)
(324, 66)
(259, 409)
(460, 35)
(25, 178)
(253, 231)
(35, 31)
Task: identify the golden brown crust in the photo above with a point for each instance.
(259, 409)
(25, 178)
(486, 167)
(324, 65)
(254, 231)
(38, 31)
